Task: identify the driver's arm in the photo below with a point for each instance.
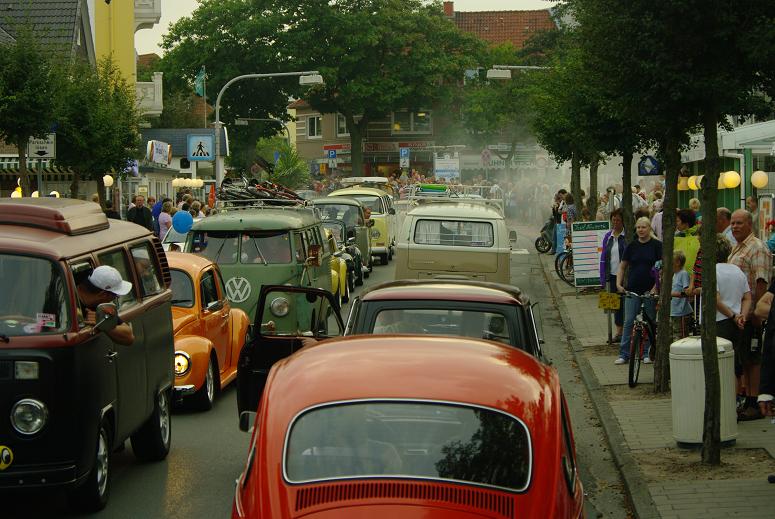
(122, 334)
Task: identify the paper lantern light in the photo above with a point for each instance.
(698, 181)
(35, 194)
(200, 183)
(16, 194)
(721, 182)
(683, 183)
(175, 182)
(55, 194)
(731, 179)
(692, 183)
(759, 179)
(107, 180)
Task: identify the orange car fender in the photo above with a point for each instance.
(198, 349)
(240, 323)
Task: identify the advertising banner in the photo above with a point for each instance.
(587, 248)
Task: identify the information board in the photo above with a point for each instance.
(587, 248)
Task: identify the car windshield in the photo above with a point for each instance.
(348, 214)
(373, 202)
(182, 289)
(439, 321)
(227, 247)
(337, 230)
(454, 233)
(174, 236)
(39, 302)
(409, 439)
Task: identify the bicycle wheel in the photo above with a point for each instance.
(566, 268)
(557, 259)
(637, 343)
(542, 245)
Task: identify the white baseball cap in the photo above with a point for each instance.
(109, 279)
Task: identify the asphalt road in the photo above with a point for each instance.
(208, 449)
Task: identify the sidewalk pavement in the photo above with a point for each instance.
(639, 426)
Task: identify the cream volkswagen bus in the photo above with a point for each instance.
(455, 238)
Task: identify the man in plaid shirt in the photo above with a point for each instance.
(754, 259)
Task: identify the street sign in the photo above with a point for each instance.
(332, 163)
(201, 148)
(404, 162)
(331, 154)
(42, 148)
(404, 153)
(648, 166)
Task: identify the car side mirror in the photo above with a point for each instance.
(107, 317)
(369, 223)
(512, 237)
(313, 255)
(214, 306)
(391, 211)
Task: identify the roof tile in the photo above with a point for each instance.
(498, 27)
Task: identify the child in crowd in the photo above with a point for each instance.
(680, 309)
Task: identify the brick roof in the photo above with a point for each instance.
(147, 60)
(498, 27)
(55, 21)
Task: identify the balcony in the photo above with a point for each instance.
(147, 14)
(149, 96)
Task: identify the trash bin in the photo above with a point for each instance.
(687, 379)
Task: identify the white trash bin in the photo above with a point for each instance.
(687, 379)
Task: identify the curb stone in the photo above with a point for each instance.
(634, 482)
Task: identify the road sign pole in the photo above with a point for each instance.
(40, 178)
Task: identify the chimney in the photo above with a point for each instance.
(449, 9)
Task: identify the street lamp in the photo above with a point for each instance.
(306, 78)
(504, 71)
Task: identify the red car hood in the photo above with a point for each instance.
(394, 511)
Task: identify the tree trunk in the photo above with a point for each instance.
(592, 195)
(357, 132)
(664, 332)
(711, 431)
(24, 178)
(75, 184)
(629, 221)
(575, 181)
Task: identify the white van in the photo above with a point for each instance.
(455, 239)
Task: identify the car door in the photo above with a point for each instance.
(214, 315)
(287, 317)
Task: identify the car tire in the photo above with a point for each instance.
(346, 297)
(390, 253)
(92, 495)
(203, 399)
(152, 441)
(383, 259)
(351, 279)
(370, 268)
(359, 276)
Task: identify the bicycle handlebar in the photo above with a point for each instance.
(647, 295)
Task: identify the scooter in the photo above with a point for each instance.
(543, 243)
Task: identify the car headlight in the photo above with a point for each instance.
(29, 416)
(182, 363)
(375, 233)
(279, 307)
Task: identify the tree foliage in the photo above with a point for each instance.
(28, 85)
(290, 170)
(98, 123)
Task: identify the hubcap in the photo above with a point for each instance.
(210, 382)
(102, 462)
(164, 416)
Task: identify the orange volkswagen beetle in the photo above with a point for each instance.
(410, 426)
(209, 334)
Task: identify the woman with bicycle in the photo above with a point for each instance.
(637, 277)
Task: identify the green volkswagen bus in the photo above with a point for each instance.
(270, 245)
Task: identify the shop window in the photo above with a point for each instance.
(412, 122)
(314, 127)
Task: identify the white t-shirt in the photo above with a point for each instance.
(731, 285)
(614, 259)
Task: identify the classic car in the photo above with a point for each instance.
(466, 308)
(350, 251)
(209, 333)
(352, 213)
(487, 435)
(341, 276)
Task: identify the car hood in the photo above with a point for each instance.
(392, 511)
(180, 318)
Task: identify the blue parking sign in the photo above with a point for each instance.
(404, 153)
(331, 154)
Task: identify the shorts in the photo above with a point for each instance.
(743, 353)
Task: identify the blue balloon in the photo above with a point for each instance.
(182, 221)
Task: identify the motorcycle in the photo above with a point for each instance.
(543, 243)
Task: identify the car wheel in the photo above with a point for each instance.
(351, 279)
(359, 275)
(390, 253)
(92, 495)
(152, 441)
(370, 268)
(346, 296)
(383, 259)
(204, 398)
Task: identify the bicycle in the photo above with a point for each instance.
(643, 329)
(563, 265)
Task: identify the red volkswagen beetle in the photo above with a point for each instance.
(410, 427)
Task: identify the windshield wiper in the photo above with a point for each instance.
(258, 251)
(5, 338)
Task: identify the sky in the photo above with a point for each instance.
(148, 40)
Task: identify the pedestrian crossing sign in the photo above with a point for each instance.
(201, 148)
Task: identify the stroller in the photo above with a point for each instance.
(544, 242)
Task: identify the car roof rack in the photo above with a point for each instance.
(354, 181)
(62, 215)
(262, 203)
(441, 193)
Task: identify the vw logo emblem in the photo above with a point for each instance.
(237, 289)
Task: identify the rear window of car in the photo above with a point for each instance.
(411, 439)
(440, 321)
(373, 202)
(454, 233)
(182, 289)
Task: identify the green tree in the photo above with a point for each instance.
(377, 57)
(98, 124)
(290, 170)
(28, 86)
